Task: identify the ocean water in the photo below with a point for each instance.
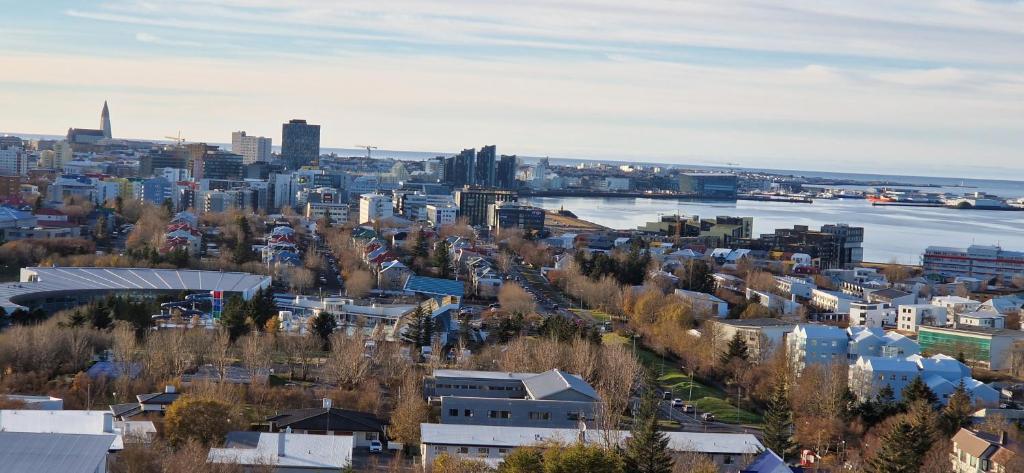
(890, 233)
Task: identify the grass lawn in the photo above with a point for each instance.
(598, 315)
(706, 398)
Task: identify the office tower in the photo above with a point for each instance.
(506, 174)
(13, 161)
(502, 216)
(176, 158)
(105, 121)
(252, 148)
(300, 143)
(485, 166)
(474, 201)
(373, 207)
(461, 170)
(217, 164)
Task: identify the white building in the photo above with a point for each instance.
(794, 286)
(13, 161)
(772, 301)
(441, 215)
(816, 344)
(831, 301)
(956, 304)
(763, 336)
(983, 319)
(910, 317)
(373, 207)
(863, 314)
(704, 303)
(338, 212)
(285, 452)
(252, 148)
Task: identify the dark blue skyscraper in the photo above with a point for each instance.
(300, 143)
(485, 166)
(506, 175)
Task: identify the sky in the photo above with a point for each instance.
(909, 87)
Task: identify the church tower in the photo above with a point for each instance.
(105, 121)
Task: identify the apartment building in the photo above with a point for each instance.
(978, 261)
(910, 317)
(763, 336)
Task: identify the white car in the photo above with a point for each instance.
(376, 446)
(677, 402)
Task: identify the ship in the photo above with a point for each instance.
(903, 198)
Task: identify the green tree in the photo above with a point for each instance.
(957, 412)
(778, 423)
(523, 460)
(420, 250)
(100, 317)
(263, 308)
(699, 277)
(323, 326)
(168, 207)
(737, 349)
(234, 318)
(917, 390)
(647, 447)
(895, 452)
(442, 260)
(925, 423)
(580, 457)
(420, 329)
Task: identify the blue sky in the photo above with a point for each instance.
(912, 87)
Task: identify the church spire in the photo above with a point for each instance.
(105, 121)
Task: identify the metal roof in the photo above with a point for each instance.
(434, 286)
(320, 452)
(40, 281)
(549, 383)
(53, 453)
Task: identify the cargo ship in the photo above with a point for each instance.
(904, 199)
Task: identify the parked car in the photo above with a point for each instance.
(707, 417)
(376, 446)
(688, 408)
(677, 402)
(667, 395)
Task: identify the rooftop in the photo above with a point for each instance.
(323, 452)
(51, 452)
(766, 322)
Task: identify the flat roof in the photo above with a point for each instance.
(47, 452)
(766, 322)
(38, 281)
(300, 451)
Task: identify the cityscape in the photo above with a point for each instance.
(278, 302)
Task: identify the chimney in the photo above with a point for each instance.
(108, 423)
(327, 403)
(1003, 438)
(280, 440)
(169, 388)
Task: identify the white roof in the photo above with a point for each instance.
(473, 374)
(42, 280)
(300, 451)
(512, 437)
(60, 422)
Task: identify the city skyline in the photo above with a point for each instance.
(923, 90)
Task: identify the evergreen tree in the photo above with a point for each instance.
(737, 349)
(75, 319)
(957, 412)
(100, 317)
(917, 390)
(323, 326)
(442, 260)
(420, 250)
(118, 205)
(647, 448)
(699, 277)
(778, 423)
(168, 207)
(420, 329)
(924, 423)
(895, 453)
(234, 318)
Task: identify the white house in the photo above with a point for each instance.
(956, 304)
(865, 314)
(704, 303)
(983, 319)
(910, 317)
(794, 286)
(773, 301)
(285, 452)
(763, 336)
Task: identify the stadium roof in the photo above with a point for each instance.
(43, 281)
(434, 286)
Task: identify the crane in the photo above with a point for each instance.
(368, 149)
(178, 140)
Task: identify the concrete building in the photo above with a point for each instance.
(373, 207)
(441, 215)
(956, 305)
(13, 160)
(978, 261)
(987, 347)
(491, 444)
(832, 301)
(252, 148)
(910, 317)
(704, 303)
(337, 212)
(763, 336)
(794, 286)
(816, 344)
(709, 185)
(550, 399)
(982, 319)
(300, 143)
(876, 315)
(502, 216)
(473, 202)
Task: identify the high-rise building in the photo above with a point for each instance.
(13, 161)
(709, 185)
(505, 177)
(485, 166)
(473, 202)
(105, 121)
(252, 148)
(176, 157)
(373, 207)
(460, 170)
(502, 216)
(976, 261)
(300, 143)
(217, 164)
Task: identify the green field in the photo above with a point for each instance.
(706, 398)
(597, 315)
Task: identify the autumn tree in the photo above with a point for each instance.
(359, 283)
(410, 411)
(515, 300)
(347, 363)
(206, 421)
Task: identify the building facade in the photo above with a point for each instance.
(977, 261)
(300, 143)
(252, 148)
(474, 201)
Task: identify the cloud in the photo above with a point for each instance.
(154, 39)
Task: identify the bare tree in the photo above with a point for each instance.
(515, 300)
(221, 354)
(359, 283)
(256, 350)
(347, 364)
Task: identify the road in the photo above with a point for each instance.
(550, 299)
(691, 422)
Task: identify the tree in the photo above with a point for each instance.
(445, 463)
(515, 300)
(895, 453)
(234, 317)
(698, 276)
(523, 460)
(647, 448)
(420, 329)
(410, 411)
(323, 326)
(736, 350)
(778, 423)
(206, 421)
(359, 283)
(442, 260)
(262, 308)
(917, 390)
(580, 457)
(924, 422)
(957, 412)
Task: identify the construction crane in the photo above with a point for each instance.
(368, 149)
(177, 139)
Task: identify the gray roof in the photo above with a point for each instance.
(434, 286)
(552, 382)
(40, 281)
(53, 453)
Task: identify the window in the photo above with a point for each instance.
(727, 460)
(464, 450)
(483, 452)
(499, 414)
(453, 412)
(467, 413)
(540, 415)
(502, 451)
(440, 449)
(892, 377)
(373, 436)
(903, 378)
